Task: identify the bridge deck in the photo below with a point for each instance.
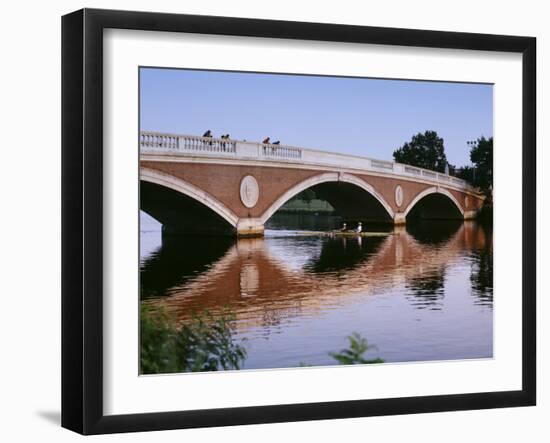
(210, 147)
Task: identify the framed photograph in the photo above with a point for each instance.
(268, 221)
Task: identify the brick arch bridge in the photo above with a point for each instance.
(206, 185)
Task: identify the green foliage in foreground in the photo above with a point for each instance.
(353, 355)
(204, 344)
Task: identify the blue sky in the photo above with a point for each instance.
(369, 117)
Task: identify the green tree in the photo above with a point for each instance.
(424, 150)
(481, 155)
(466, 173)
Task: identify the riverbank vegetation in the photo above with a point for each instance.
(354, 354)
(207, 343)
(307, 202)
(203, 344)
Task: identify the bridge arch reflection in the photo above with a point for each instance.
(262, 278)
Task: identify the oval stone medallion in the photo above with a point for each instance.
(250, 192)
(398, 195)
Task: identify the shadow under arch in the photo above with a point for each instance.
(182, 208)
(434, 203)
(352, 197)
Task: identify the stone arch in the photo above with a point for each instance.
(434, 190)
(325, 178)
(185, 188)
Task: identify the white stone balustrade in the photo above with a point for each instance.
(185, 143)
(190, 145)
(278, 151)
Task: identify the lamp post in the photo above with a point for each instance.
(472, 144)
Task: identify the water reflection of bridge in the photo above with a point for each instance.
(264, 281)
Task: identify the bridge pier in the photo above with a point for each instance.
(250, 227)
(399, 219)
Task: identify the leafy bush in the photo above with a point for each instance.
(354, 354)
(204, 344)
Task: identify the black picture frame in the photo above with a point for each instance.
(82, 215)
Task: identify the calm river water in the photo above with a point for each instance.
(418, 293)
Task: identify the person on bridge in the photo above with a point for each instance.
(207, 133)
(224, 145)
(344, 227)
(359, 228)
(266, 141)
